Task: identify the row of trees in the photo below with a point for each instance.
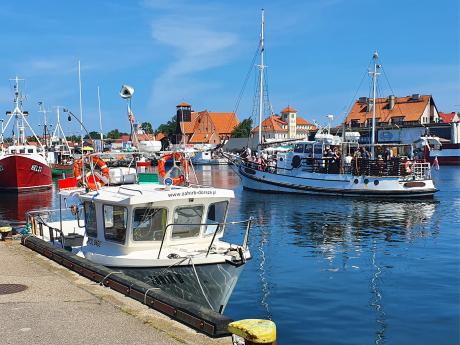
(243, 130)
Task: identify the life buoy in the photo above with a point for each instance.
(94, 180)
(407, 167)
(176, 156)
(77, 169)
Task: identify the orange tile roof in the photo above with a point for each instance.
(288, 109)
(406, 107)
(447, 117)
(224, 122)
(183, 104)
(302, 121)
(273, 123)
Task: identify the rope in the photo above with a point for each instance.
(147, 291)
(103, 280)
(199, 283)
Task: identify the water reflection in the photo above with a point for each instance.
(13, 206)
(337, 223)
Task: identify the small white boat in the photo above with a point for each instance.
(167, 236)
(208, 158)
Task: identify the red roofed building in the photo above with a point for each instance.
(285, 126)
(205, 127)
(410, 110)
(448, 117)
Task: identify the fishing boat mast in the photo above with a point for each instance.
(374, 74)
(261, 91)
(20, 118)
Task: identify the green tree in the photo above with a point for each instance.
(92, 135)
(114, 134)
(147, 127)
(243, 130)
(168, 128)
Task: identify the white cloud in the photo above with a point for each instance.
(196, 45)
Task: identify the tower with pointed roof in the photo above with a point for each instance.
(289, 115)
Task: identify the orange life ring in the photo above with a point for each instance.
(77, 169)
(407, 167)
(93, 181)
(176, 156)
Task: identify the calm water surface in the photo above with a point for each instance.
(339, 270)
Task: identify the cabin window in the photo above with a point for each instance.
(216, 215)
(90, 219)
(115, 221)
(149, 224)
(298, 148)
(309, 149)
(22, 150)
(30, 150)
(190, 217)
(318, 149)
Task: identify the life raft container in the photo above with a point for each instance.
(94, 180)
(176, 156)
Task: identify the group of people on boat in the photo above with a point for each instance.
(356, 160)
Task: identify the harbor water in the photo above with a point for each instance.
(333, 270)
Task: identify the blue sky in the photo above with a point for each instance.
(317, 52)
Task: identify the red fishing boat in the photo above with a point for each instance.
(23, 166)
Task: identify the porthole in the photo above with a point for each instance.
(356, 181)
(376, 182)
(366, 181)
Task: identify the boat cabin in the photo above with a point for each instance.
(129, 218)
(22, 149)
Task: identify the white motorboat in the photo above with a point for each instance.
(167, 236)
(208, 158)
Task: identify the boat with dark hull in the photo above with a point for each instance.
(170, 237)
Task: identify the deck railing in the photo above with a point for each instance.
(396, 167)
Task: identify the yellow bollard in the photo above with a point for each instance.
(254, 331)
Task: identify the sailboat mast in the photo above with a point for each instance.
(261, 86)
(100, 117)
(374, 91)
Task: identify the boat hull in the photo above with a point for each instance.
(335, 184)
(23, 173)
(61, 169)
(215, 282)
(449, 155)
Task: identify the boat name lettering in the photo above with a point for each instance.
(193, 193)
(163, 279)
(94, 242)
(36, 168)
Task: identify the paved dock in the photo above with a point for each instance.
(59, 306)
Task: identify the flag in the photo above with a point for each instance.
(436, 163)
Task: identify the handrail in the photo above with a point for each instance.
(249, 221)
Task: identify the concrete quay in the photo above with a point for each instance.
(60, 306)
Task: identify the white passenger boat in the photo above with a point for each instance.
(170, 237)
(326, 166)
(307, 169)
